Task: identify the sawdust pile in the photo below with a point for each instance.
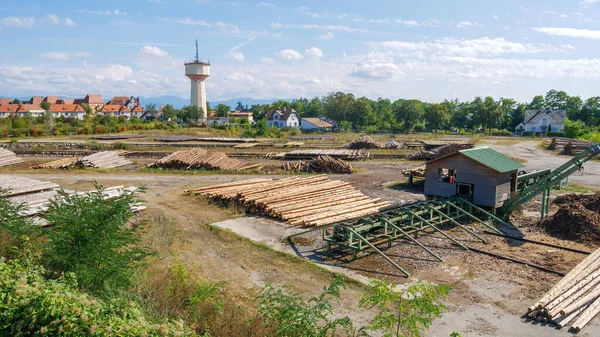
(578, 219)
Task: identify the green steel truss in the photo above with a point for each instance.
(405, 222)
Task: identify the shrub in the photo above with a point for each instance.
(13, 226)
(503, 133)
(93, 145)
(120, 146)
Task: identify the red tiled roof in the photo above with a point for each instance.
(66, 101)
(51, 99)
(29, 107)
(317, 122)
(93, 99)
(137, 108)
(66, 108)
(5, 100)
(118, 100)
(111, 108)
(36, 100)
(9, 108)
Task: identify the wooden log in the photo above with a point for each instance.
(587, 315)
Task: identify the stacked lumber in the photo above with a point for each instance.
(392, 144)
(117, 136)
(575, 299)
(57, 164)
(310, 154)
(439, 151)
(205, 139)
(415, 172)
(103, 159)
(558, 143)
(321, 164)
(569, 146)
(8, 157)
(197, 158)
(302, 201)
(313, 137)
(364, 142)
(16, 185)
(244, 145)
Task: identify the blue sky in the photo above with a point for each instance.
(429, 49)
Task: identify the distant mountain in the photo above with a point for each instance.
(178, 102)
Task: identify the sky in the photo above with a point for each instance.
(429, 49)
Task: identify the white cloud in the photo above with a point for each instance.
(152, 51)
(375, 69)
(525, 8)
(326, 36)
(267, 4)
(570, 32)
(237, 56)
(589, 2)
(187, 21)
(116, 72)
(306, 11)
(277, 25)
(240, 77)
(56, 56)
(17, 21)
(56, 20)
(267, 60)
(106, 12)
(289, 54)
(313, 52)
(467, 24)
(496, 17)
(225, 28)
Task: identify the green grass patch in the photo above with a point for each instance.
(403, 185)
(572, 188)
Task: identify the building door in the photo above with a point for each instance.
(465, 190)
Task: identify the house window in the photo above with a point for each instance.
(446, 175)
(545, 121)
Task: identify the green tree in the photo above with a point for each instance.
(438, 116)
(573, 106)
(507, 105)
(589, 113)
(537, 103)
(88, 109)
(192, 113)
(239, 106)
(94, 239)
(361, 114)
(518, 115)
(223, 110)
(151, 109)
(45, 105)
(574, 129)
(383, 114)
(556, 100)
(169, 112)
(404, 313)
(262, 128)
(314, 108)
(337, 106)
(489, 113)
(16, 101)
(13, 226)
(408, 112)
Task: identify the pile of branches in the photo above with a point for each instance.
(577, 219)
(364, 142)
(321, 164)
(439, 152)
(197, 158)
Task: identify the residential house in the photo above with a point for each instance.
(109, 109)
(66, 101)
(217, 121)
(137, 111)
(121, 111)
(283, 118)
(242, 115)
(67, 111)
(542, 121)
(315, 124)
(30, 110)
(52, 99)
(35, 100)
(95, 101)
(7, 109)
(6, 100)
(130, 102)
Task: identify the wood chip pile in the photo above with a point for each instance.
(197, 158)
(8, 157)
(321, 164)
(310, 154)
(364, 142)
(205, 139)
(575, 299)
(439, 152)
(118, 136)
(103, 159)
(569, 146)
(303, 201)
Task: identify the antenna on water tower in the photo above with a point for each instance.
(196, 50)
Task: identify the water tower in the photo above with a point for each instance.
(198, 71)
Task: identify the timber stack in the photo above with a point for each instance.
(7, 157)
(321, 164)
(301, 201)
(117, 136)
(103, 159)
(575, 299)
(416, 172)
(310, 154)
(439, 152)
(392, 144)
(197, 158)
(569, 146)
(364, 142)
(57, 164)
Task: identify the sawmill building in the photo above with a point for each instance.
(482, 175)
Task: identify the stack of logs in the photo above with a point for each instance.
(577, 295)
(569, 146)
(8, 157)
(57, 164)
(364, 142)
(321, 164)
(302, 201)
(392, 144)
(439, 152)
(415, 172)
(197, 158)
(310, 154)
(103, 159)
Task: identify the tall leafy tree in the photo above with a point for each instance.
(489, 113)
(590, 112)
(239, 106)
(409, 112)
(438, 116)
(223, 110)
(337, 106)
(517, 116)
(573, 106)
(314, 108)
(537, 103)
(361, 114)
(556, 100)
(507, 105)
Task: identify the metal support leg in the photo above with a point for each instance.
(471, 206)
(460, 225)
(474, 218)
(439, 231)
(415, 241)
(380, 253)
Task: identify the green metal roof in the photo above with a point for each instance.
(492, 159)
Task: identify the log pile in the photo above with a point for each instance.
(415, 172)
(205, 139)
(8, 157)
(16, 185)
(197, 158)
(302, 201)
(392, 144)
(103, 159)
(364, 142)
(439, 152)
(117, 136)
(321, 164)
(575, 299)
(340, 154)
(57, 164)
(569, 146)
